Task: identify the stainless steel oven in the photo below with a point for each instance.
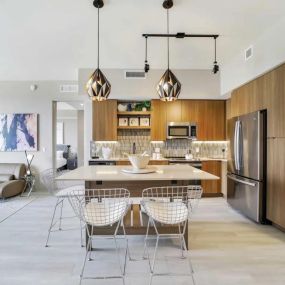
(180, 130)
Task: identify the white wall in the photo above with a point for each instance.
(268, 52)
(80, 137)
(196, 84)
(16, 97)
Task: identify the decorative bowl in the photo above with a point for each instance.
(139, 161)
(122, 108)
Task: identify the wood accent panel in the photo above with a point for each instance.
(212, 186)
(158, 120)
(276, 181)
(104, 120)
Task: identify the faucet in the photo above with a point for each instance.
(134, 148)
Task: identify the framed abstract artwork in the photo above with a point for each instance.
(19, 132)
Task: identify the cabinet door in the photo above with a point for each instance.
(276, 102)
(173, 111)
(158, 120)
(195, 111)
(105, 120)
(212, 186)
(215, 120)
(276, 181)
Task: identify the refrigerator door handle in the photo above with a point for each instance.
(236, 146)
(252, 184)
(240, 143)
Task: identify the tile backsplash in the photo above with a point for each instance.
(170, 148)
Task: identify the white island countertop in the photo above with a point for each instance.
(114, 173)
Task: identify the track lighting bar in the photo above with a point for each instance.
(180, 36)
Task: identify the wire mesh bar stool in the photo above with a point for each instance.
(60, 190)
(172, 206)
(102, 208)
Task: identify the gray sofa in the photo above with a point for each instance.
(11, 179)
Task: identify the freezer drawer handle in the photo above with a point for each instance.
(241, 181)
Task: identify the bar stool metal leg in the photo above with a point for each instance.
(58, 201)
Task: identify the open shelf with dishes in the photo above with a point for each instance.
(135, 115)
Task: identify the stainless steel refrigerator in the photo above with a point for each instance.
(246, 178)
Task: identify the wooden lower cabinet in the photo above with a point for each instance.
(212, 187)
(276, 181)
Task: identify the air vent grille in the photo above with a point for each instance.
(68, 88)
(248, 53)
(135, 74)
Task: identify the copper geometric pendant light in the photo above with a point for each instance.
(169, 86)
(98, 87)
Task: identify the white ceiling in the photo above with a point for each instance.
(51, 39)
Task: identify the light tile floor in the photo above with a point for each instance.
(226, 249)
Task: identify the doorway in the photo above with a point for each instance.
(68, 135)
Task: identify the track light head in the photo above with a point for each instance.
(146, 67)
(216, 68)
(98, 3)
(167, 4)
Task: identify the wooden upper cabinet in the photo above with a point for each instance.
(215, 120)
(105, 120)
(275, 85)
(264, 93)
(209, 115)
(173, 111)
(276, 181)
(158, 120)
(195, 111)
(212, 186)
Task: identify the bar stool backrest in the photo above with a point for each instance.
(100, 207)
(48, 177)
(171, 204)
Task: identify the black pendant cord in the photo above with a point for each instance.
(145, 49)
(167, 39)
(215, 51)
(98, 39)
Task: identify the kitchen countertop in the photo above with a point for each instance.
(114, 173)
(163, 159)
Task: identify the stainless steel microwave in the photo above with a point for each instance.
(177, 130)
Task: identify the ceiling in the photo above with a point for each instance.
(50, 40)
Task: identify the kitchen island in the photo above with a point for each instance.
(100, 177)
